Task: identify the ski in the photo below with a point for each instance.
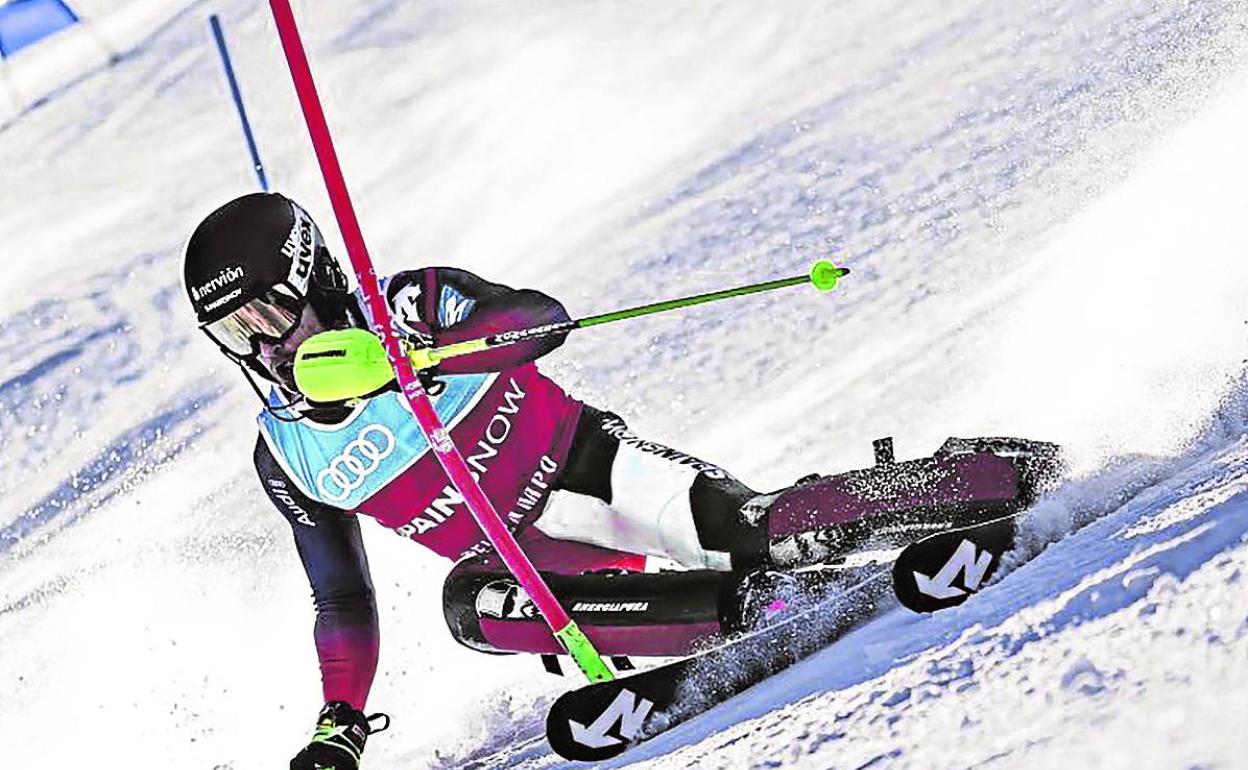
(599, 721)
(937, 570)
(945, 569)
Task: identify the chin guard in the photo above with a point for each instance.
(342, 364)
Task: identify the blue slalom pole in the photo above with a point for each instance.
(238, 100)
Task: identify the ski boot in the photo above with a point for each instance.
(866, 516)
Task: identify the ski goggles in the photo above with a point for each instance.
(271, 316)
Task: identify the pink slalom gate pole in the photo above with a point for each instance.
(566, 631)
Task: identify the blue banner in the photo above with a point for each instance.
(24, 22)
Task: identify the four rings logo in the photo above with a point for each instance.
(346, 472)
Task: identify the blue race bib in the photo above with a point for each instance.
(346, 463)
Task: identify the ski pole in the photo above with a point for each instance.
(224, 51)
(342, 364)
(823, 275)
(561, 625)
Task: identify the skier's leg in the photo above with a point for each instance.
(619, 491)
(887, 506)
(623, 610)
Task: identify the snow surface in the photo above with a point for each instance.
(1040, 202)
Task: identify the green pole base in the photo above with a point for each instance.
(583, 653)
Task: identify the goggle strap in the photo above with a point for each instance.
(271, 408)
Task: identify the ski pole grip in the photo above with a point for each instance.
(427, 358)
(583, 653)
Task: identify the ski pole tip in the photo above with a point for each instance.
(824, 274)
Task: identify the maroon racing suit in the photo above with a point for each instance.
(527, 441)
(645, 546)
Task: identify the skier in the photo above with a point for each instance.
(598, 509)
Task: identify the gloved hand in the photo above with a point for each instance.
(339, 739)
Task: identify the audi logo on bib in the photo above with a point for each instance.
(345, 473)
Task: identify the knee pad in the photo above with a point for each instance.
(468, 595)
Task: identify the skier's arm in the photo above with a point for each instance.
(458, 306)
(329, 544)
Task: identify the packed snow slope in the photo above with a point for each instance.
(1042, 206)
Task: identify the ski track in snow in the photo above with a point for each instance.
(959, 161)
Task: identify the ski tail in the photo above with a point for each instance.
(944, 569)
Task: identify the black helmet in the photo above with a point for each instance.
(250, 269)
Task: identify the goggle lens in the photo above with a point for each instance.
(273, 316)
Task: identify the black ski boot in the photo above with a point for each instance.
(867, 516)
